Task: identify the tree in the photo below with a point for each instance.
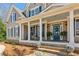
(2, 30)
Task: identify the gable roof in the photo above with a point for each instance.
(26, 7)
(17, 10)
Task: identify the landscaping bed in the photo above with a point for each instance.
(13, 49)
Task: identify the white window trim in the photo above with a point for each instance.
(12, 15)
(16, 28)
(35, 7)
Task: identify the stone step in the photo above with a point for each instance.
(53, 48)
(42, 53)
(57, 52)
(49, 50)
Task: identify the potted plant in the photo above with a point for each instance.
(64, 35)
(49, 34)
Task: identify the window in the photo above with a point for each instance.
(13, 17)
(35, 11)
(18, 31)
(40, 8)
(77, 27)
(11, 32)
(32, 30)
(14, 31)
(8, 32)
(43, 30)
(29, 13)
(37, 31)
(32, 12)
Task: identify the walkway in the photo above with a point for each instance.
(41, 53)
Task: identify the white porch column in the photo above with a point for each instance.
(28, 31)
(22, 32)
(20, 26)
(40, 30)
(46, 30)
(71, 28)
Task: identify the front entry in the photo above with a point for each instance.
(56, 32)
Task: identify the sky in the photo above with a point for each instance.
(4, 7)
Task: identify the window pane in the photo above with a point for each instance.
(32, 12)
(14, 16)
(8, 33)
(14, 31)
(11, 32)
(40, 8)
(36, 11)
(43, 30)
(18, 31)
(11, 18)
(77, 27)
(29, 13)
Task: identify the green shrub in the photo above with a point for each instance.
(63, 33)
(2, 30)
(11, 42)
(49, 34)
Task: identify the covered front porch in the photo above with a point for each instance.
(57, 27)
(51, 29)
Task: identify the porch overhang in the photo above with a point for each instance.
(20, 21)
(51, 12)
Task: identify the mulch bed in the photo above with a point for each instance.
(17, 50)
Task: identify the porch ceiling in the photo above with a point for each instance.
(57, 17)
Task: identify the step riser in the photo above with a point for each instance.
(54, 48)
(49, 51)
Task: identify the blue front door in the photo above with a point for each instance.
(56, 32)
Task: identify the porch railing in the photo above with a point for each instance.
(34, 38)
(63, 40)
(76, 39)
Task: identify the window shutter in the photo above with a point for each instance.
(40, 8)
(29, 13)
